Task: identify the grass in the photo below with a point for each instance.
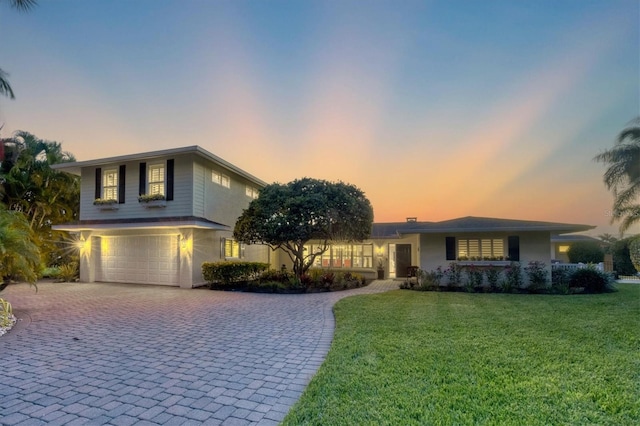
(453, 358)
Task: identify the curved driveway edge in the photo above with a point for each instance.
(131, 354)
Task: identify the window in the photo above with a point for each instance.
(481, 249)
(343, 256)
(110, 184)
(563, 248)
(220, 179)
(232, 248)
(156, 179)
(252, 192)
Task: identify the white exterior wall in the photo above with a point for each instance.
(181, 205)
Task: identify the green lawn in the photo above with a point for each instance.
(419, 358)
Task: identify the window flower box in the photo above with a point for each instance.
(150, 201)
(106, 204)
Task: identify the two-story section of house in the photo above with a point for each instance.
(155, 217)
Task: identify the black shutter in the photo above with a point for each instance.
(121, 186)
(98, 182)
(451, 248)
(514, 248)
(169, 194)
(143, 179)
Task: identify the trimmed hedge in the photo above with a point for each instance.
(230, 272)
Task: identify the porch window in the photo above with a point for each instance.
(343, 256)
(156, 179)
(110, 184)
(481, 249)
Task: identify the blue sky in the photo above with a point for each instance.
(436, 109)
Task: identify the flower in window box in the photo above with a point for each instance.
(146, 198)
(104, 202)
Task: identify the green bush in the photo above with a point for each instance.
(634, 252)
(51, 272)
(232, 272)
(512, 277)
(493, 276)
(68, 272)
(585, 252)
(622, 264)
(591, 280)
(560, 281)
(537, 273)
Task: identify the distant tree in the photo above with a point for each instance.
(622, 176)
(289, 216)
(621, 254)
(45, 196)
(585, 252)
(19, 254)
(23, 6)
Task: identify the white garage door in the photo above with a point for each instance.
(139, 259)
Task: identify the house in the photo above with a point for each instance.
(428, 245)
(153, 218)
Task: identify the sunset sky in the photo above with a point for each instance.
(435, 109)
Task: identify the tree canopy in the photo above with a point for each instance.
(30, 186)
(622, 176)
(288, 216)
(19, 254)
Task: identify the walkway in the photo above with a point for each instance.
(130, 354)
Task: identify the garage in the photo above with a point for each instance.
(140, 259)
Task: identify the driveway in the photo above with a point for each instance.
(131, 354)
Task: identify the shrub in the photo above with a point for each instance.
(585, 252)
(428, 280)
(474, 278)
(51, 272)
(537, 273)
(622, 257)
(68, 272)
(493, 275)
(512, 277)
(591, 280)
(229, 272)
(454, 275)
(560, 281)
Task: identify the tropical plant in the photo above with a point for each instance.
(512, 277)
(68, 272)
(590, 280)
(30, 185)
(493, 275)
(622, 264)
(622, 176)
(19, 254)
(287, 216)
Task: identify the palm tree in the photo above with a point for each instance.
(623, 175)
(19, 254)
(22, 6)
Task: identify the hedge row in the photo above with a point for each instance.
(229, 272)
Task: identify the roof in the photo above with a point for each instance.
(472, 224)
(572, 238)
(143, 223)
(75, 167)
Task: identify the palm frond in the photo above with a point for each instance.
(23, 5)
(5, 87)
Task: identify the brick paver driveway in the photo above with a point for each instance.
(130, 354)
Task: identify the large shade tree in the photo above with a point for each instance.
(288, 216)
(622, 176)
(30, 186)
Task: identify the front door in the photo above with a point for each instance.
(403, 259)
